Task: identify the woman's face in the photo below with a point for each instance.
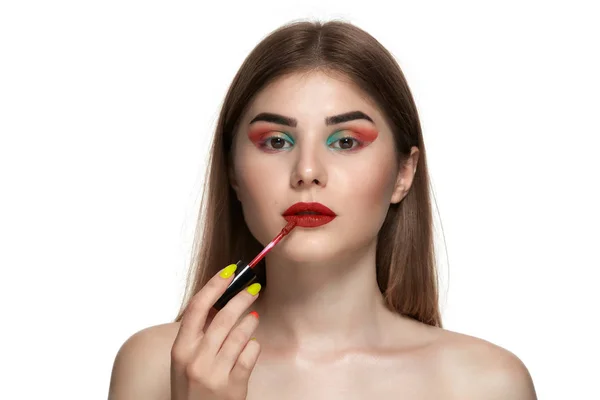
(350, 167)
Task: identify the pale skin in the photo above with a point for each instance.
(323, 330)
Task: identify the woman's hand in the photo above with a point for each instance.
(214, 360)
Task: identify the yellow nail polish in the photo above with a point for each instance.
(253, 338)
(228, 271)
(253, 289)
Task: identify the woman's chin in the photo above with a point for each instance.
(306, 252)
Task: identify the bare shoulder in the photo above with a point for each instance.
(141, 369)
(476, 368)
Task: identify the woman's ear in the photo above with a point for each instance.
(405, 177)
(233, 180)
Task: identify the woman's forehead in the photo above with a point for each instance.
(310, 97)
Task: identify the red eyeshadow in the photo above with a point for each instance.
(256, 135)
(365, 134)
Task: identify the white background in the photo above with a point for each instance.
(106, 112)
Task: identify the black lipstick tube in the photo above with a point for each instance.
(244, 275)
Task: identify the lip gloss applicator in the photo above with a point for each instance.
(245, 276)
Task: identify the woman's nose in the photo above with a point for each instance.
(309, 170)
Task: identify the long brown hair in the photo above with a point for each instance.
(406, 266)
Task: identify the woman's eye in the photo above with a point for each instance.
(346, 143)
(276, 143)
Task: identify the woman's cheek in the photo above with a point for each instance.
(377, 188)
(255, 187)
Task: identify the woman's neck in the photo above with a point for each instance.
(317, 306)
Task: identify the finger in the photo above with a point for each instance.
(194, 317)
(224, 321)
(236, 342)
(240, 374)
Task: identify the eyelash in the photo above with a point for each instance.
(263, 143)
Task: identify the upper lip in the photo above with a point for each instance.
(316, 207)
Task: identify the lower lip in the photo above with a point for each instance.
(310, 221)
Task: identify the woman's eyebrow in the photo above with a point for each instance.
(293, 122)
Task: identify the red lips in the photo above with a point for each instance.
(316, 214)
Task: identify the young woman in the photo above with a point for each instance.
(319, 114)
